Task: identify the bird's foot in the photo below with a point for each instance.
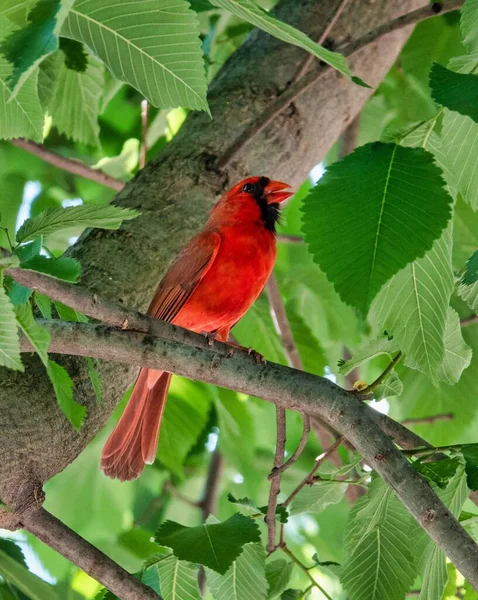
(257, 356)
(211, 337)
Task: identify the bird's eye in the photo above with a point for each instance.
(249, 188)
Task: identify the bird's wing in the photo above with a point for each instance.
(184, 276)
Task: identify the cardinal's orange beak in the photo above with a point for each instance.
(275, 192)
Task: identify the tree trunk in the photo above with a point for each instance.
(174, 193)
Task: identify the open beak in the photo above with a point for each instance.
(275, 192)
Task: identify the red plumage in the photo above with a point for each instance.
(208, 288)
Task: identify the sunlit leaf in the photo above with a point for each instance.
(469, 25)
(152, 45)
(278, 574)
(123, 165)
(391, 386)
(383, 344)
(456, 91)
(36, 334)
(315, 498)
(67, 269)
(19, 576)
(393, 216)
(438, 472)
(63, 386)
(457, 352)
(179, 579)
(9, 340)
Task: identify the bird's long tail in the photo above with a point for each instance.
(135, 438)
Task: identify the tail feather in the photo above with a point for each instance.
(135, 438)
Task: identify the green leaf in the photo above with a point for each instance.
(457, 354)
(18, 294)
(44, 304)
(431, 560)
(245, 578)
(249, 508)
(184, 419)
(391, 217)
(66, 313)
(94, 378)
(72, 97)
(391, 386)
(251, 12)
(379, 565)
(456, 91)
(315, 498)
(63, 386)
(460, 142)
(278, 573)
(469, 293)
(66, 269)
(439, 472)
(470, 275)
(16, 11)
(26, 252)
(27, 47)
(179, 579)
(76, 57)
(123, 165)
(383, 344)
(22, 115)
(469, 25)
(311, 353)
(19, 576)
(214, 546)
(9, 340)
(152, 45)
(291, 594)
(470, 454)
(419, 296)
(37, 335)
(470, 593)
(106, 216)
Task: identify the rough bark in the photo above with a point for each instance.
(174, 193)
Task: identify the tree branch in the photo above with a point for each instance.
(286, 388)
(310, 78)
(64, 540)
(211, 487)
(275, 479)
(429, 420)
(473, 320)
(68, 164)
(298, 451)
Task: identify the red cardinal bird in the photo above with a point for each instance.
(207, 289)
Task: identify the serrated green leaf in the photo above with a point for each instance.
(76, 58)
(152, 45)
(245, 578)
(25, 48)
(37, 335)
(291, 594)
(123, 165)
(470, 454)
(94, 378)
(106, 216)
(18, 294)
(310, 351)
(26, 252)
(383, 344)
(431, 560)
(251, 12)
(44, 304)
(214, 546)
(438, 472)
(16, 11)
(391, 386)
(392, 217)
(183, 422)
(419, 296)
(22, 115)
(455, 91)
(72, 97)
(63, 386)
(469, 25)
(66, 269)
(470, 275)
(460, 141)
(249, 508)
(178, 579)
(316, 498)
(66, 313)
(19, 576)
(9, 340)
(457, 353)
(469, 293)
(379, 565)
(278, 574)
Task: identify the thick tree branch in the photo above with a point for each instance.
(286, 388)
(308, 79)
(68, 164)
(61, 538)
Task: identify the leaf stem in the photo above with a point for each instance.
(301, 565)
(392, 364)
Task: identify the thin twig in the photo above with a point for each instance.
(311, 77)
(291, 239)
(275, 481)
(89, 559)
(298, 451)
(430, 419)
(304, 67)
(349, 137)
(144, 132)
(308, 480)
(473, 320)
(381, 378)
(68, 164)
(301, 565)
(291, 351)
